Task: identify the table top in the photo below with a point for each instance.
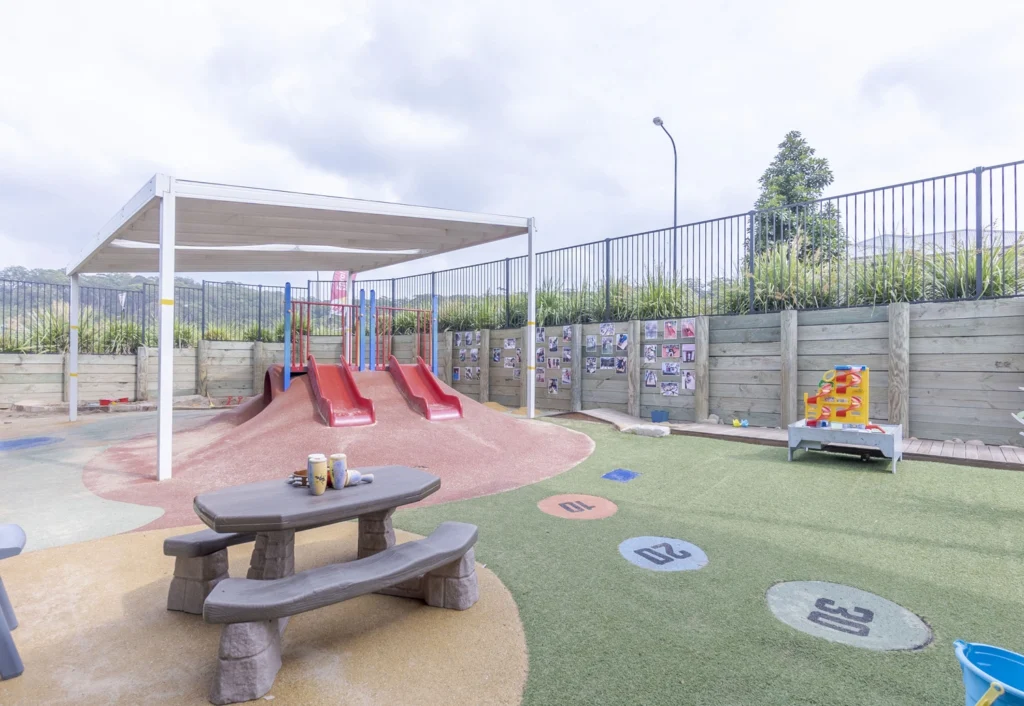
(274, 505)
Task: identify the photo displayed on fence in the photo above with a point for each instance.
(607, 363)
(495, 355)
(474, 355)
(689, 352)
(456, 374)
(607, 329)
(462, 355)
(553, 343)
(566, 354)
(670, 368)
(650, 329)
(553, 386)
(519, 355)
(467, 374)
(517, 373)
(510, 343)
(566, 376)
(670, 350)
(689, 380)
(591, 343)
(540, 374)
(687, 328)
(479, 337)
(566, 334)
(623, 342)
(650, 353)
(540, 355)
(607, 345)
(650, 378)
(670, 389)
(478, 373)
(540, 335)
(510, 362)
(554, 362)
(458, 339)
(671, 330)
(620, 365)
(591, 366)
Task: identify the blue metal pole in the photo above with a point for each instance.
(362, 330)
(433, 335)
(287, 334)
(373, 329)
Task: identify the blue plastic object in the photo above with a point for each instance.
(659, 415)
(28, 442)
(620, 475)
(982, 665)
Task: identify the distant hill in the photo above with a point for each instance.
(114, 281)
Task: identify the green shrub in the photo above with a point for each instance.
(121, 338)
(216, 333)
(255, 332)
(954, 275)
(185, 335)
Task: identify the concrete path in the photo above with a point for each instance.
(41, 488)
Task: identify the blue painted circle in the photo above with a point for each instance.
(28, 442)
(663, 554)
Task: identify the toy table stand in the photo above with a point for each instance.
(858, 442)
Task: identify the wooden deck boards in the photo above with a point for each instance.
(1006, 457)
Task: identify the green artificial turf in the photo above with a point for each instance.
(944, 541)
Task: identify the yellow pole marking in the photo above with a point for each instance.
(74, 328)
(73, 375)
(167, 302)
(531, 323)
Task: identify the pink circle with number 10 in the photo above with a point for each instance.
(578, 507)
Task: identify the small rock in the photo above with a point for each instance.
(713, 419)
(975, 442)
(649, 430)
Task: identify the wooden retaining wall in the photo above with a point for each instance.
(604, 388)
(745, 362)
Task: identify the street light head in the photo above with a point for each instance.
(658, 122)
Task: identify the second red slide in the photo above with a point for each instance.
(424, 391)
(337, 397)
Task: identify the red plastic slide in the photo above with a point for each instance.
(424, 391)
(338, 397)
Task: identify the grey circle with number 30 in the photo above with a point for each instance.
(663, 554)
(848, 615)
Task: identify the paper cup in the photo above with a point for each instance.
(316, 466)
(336, 468)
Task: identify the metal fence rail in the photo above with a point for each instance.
(954, 236)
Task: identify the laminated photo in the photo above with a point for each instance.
(517, 373)
(477, 373)
(566, 376)
(540, 355)
(467, 373)
(540, 334)
(591, 343)
(554, 362)
(670, 389)
(670, 368)
(620, 365)
(607, 345)
(553, 343)
(479, 337)
(553, 386)
(458, 339)
(607, 363)
(519, 355)
(591, 366)
(689, 380)
(510, 362)
(687, 328)
(607, 329)
(650, 353)
(623, 341)
(566, 354)
(474, 355)
(650, 378)
(496, 355)
(671, 331)
(566, 334)
(510, 343)
(456, 374)
(689, 352)
(670, 350)
(462, 355)
(540, 374)
(650, 329)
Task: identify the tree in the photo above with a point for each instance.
(788, 207)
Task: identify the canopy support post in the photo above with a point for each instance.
(531, 323)
(165, 342)
(76, 298)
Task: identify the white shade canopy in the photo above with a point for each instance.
(222, 228)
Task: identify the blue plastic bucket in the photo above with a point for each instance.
(983, 665)
(659, 415)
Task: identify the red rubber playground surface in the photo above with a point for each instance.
(485, 452)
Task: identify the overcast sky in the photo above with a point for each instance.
(516, 108)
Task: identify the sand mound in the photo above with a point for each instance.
(485, 452)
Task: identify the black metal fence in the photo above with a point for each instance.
(955, 236)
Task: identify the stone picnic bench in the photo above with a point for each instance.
(438, 569)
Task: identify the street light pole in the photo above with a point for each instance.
(675, 192)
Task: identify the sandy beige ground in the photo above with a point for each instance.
(94, 629)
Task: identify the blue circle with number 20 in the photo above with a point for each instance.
(663, 554)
